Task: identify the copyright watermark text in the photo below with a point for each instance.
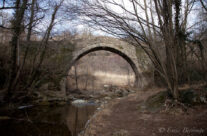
(185, 130)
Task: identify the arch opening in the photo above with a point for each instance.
(112, 50)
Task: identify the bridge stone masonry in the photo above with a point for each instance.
(117, 46)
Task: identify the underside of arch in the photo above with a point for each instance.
(113, 50)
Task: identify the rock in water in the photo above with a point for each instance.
(79, 102)
(23, 107)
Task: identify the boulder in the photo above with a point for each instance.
(79, 102)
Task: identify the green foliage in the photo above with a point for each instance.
(3, 76)
(66, 50)
(4, 64)
(32, 45)
(55, 66)
(156, 102)
(195, 75)
(40, 82)
(139, 52)
(193, 97)
(120, 47)
(189, 97)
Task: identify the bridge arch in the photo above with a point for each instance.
(111, 48)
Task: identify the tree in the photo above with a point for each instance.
(21, 23)
(156, 26)
(5, 26)
(43, 45)
(5, 7)
(17, 29)
(204, 4)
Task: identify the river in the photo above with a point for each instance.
(67, 120)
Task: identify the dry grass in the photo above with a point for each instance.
(98, 79)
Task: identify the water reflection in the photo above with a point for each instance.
(46, 121)
(78, 118)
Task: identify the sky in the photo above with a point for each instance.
(80, 27)
(192, 18)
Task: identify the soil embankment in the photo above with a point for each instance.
(124, 117)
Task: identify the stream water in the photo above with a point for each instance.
(67, 120)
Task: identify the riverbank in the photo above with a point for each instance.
(50, 113)
(126, 112)
(128, 116)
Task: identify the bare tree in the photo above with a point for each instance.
(32, 20)
(153, 25)
(18, 25)
(204, 4)
(5, 30)
(4, 6)
(17, 29)
(43, 45)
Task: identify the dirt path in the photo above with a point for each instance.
(122, 118)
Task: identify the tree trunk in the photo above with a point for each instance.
(17, 28)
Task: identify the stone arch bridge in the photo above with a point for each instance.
(126, 51)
